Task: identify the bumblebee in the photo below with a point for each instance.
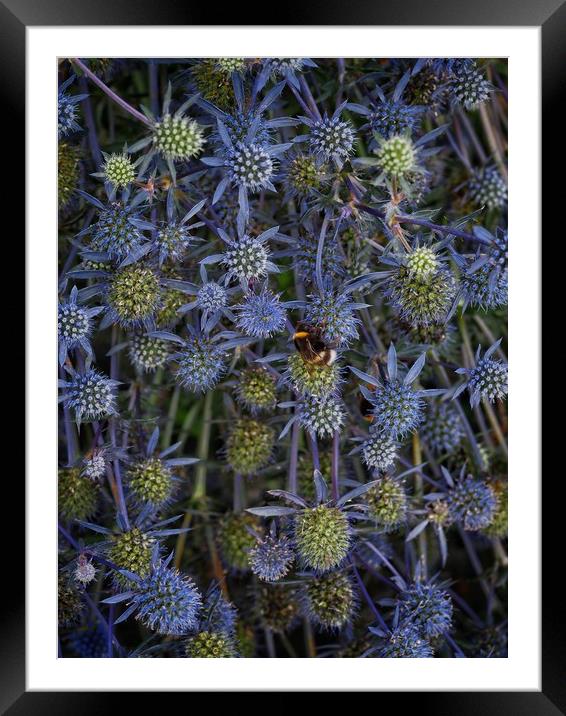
(366, 409)
(312, 347)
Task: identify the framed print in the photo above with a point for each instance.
(294, 355)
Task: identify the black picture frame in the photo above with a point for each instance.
(15, 16)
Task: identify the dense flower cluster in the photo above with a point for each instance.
(282, 358)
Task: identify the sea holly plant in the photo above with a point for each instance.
(281, 268)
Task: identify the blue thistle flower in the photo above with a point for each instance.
(90, 394)
(271, 558)
(405, 641)
(488, 188)
(322, 417)
(212, 297)
(67, 109)
(379, 451)
(247, 258)
(287, 67)
(74, 325)
(442, 430)
(330, 600)
(331, 138)
(200, 364)
(389, 116)
(484, 288)
(165, 601)
(397, 406)
(468, 86)
(147, 353)
(472, 502)
(219, 615)
(487, 379)
(420, 288)
(251, 166)
(334, 313)
(428, 607)
(117, 231)
(261, 315)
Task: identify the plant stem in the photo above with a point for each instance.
(104, 87)
(419, 491)
(293, 459)
(335, 466)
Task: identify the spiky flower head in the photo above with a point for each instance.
(214, 84)
(74, 323)
(200, 364)
(330, 600)
(428, 607)
(473, 503)
(280, 66)
(239, 124)
(442, 431)
(249, 445)
(322, 537)
(422, 262)
(331, 138)
(468, 86)
(247, 259)
(277, 606)
(236, 539)
(334, 313)
(488, 188)
(94, 464)
(387, 503)
(132, 551)
(151, 480)
(271, 558)
(261, 314)
(67, 109)
(167, 601)
(230, 64)
(250, 166)
(318, 381)
(172, 240)
(391, 118)
(210, 645)
(304, 175)
(212, 297)
(379, 451)
(178, 138)
(406, 641)
(398, 408)
(421, 298)
(322, 417)
(89, 641)
(488, 378)
(438, 513)
(91, 395)
(484, 288)
(119, 170)
(67, 172)
(134, 294)
(147, 353)
(396, 155)
(69, 602)
(114, 233)
(500, 522)
(85, 571)
(256, 390)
